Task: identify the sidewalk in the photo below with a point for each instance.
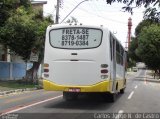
(9, 87)
(2, 93)
(150, 78)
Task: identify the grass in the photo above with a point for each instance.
(12, 85)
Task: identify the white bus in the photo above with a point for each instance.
(83, 59)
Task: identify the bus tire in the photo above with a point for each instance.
(112, 97)
(69, 96)
(122, 91)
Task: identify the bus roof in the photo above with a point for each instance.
(77, 25)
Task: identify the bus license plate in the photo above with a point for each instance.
(74, 90)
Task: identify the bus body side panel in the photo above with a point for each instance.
(120, 76)
(117, 71)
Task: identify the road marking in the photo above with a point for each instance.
(145, 79)
(136, 87)
(131, 94)
(120, 112)
(30, 105)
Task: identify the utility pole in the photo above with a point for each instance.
(57, 12)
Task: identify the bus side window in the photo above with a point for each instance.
(117, 53)
(111, 48)
(122, 56)
(113, 42)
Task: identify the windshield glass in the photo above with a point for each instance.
(75, 38)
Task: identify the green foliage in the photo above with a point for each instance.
(146, 23)
(149, 46)
(132, 56)
(152, 14)
(7, 7)
(19, 33)
(142, 24)
(132, 50)
(146, 44)
(131, 63)
(14, 84)
(138, 3)
(23, 31)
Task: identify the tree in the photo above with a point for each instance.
(148, 48)
(133, 57)
(152, 14)
(146, 23)
(144, 44)
(142, 24)
(23, 31)
(137, 3)
(132, 50)
(9, 6)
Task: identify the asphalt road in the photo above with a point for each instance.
(140, 100)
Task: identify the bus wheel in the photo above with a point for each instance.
(69, 96)
(112, 97)
(122, 91)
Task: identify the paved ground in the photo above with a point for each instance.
(141, 97)
(8, 90)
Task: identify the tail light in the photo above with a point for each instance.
(104, 65)
(104, 71)
(46, 70)
(46, 65)
(104, 76)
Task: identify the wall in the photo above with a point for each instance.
(15, 71)
(12, 71)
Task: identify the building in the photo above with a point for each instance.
(38, 4)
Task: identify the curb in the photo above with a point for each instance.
(17, 91)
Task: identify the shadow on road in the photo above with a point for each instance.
(85, 102)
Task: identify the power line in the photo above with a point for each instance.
(103, 17)
(74, 9)
(97, 11)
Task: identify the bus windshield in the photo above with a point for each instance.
(75, 38)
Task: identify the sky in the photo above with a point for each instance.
(99, 13)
